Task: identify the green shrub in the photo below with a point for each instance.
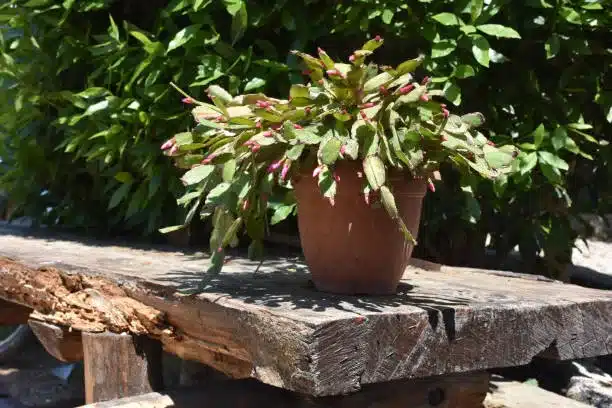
(86, 103)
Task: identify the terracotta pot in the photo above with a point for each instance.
(352, 247)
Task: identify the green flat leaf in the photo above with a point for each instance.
(307, 136)
(527, 162)
(570, 15)
(183, 37)
(480, 50)
(375, 172)
(476, 9)
(388, 201)
(539, 134)
(551, 173)
(496, 158)
(330, 151)
(232, 6)
(552, 46)
(124, 177)
(254, 83)
(559, 138)
(240, 22)
(351, 149)
(229, 169)
(189, 197)
(498, 30)
(281, 213)
(464, 71)
(119, 195)
(473, 120)
(217, 194)
(327, 183)
(447, 19)
(299, 91)
(553, 160)
(443, 48)
(376, 82)
(295, 152)
(197, 174)
(453, 93)
(387, 16)
(409, 66)
(230, 235)
(173, 228)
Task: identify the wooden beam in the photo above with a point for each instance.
(457, 391)
(62, 343)
(120, 365)
(268, 322)
(13, 313)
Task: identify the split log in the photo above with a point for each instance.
(12, 313)
(61, 342)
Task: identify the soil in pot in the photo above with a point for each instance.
(352, 247)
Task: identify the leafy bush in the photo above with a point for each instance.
(87, 103)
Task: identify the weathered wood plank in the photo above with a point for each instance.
(60, 342)
(456, 391)
(120, 365)
(267, 321)
(13, 313)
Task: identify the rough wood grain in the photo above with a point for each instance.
(13, 313)
(120, 365)
(61, 342)
(456, 391)
(512, 394)
(267, 321)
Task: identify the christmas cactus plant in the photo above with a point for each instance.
(244, 147)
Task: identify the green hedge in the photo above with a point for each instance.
(86, 103)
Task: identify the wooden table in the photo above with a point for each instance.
(265, 321)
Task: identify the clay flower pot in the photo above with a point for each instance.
(352, 247)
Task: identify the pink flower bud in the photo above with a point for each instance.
(168, 144)
(276, 126)
(187, 100)
(317, 171)
(425, 80)
(443, 138)
(343, 149)
(405, 89)
(378, 38)
(367, 105)
(321, 81)
(320, 50)
(336, 177)
(173, 150)
(306, 72)
(366, 197)
(443, 105)
(263, 104)
(307, 110)
(208, 159)
(220, 118)
(285, 170)
(363, 115)
(359, 174)
(425, 98)
(274, 166)
(255, 147)
(296, 126)
(332, 201)
(220, 249)
(332, 72)
(430, 186)
(490, 143)
(245, 205)
(352, 58)
(383, 90)
(258, 124)
(267, 133)
(445, 112)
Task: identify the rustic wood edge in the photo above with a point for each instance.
(13, 313)
(96, 304)
(61, 342)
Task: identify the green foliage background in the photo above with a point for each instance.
(86, 103)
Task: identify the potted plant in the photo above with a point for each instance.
(358, 145)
